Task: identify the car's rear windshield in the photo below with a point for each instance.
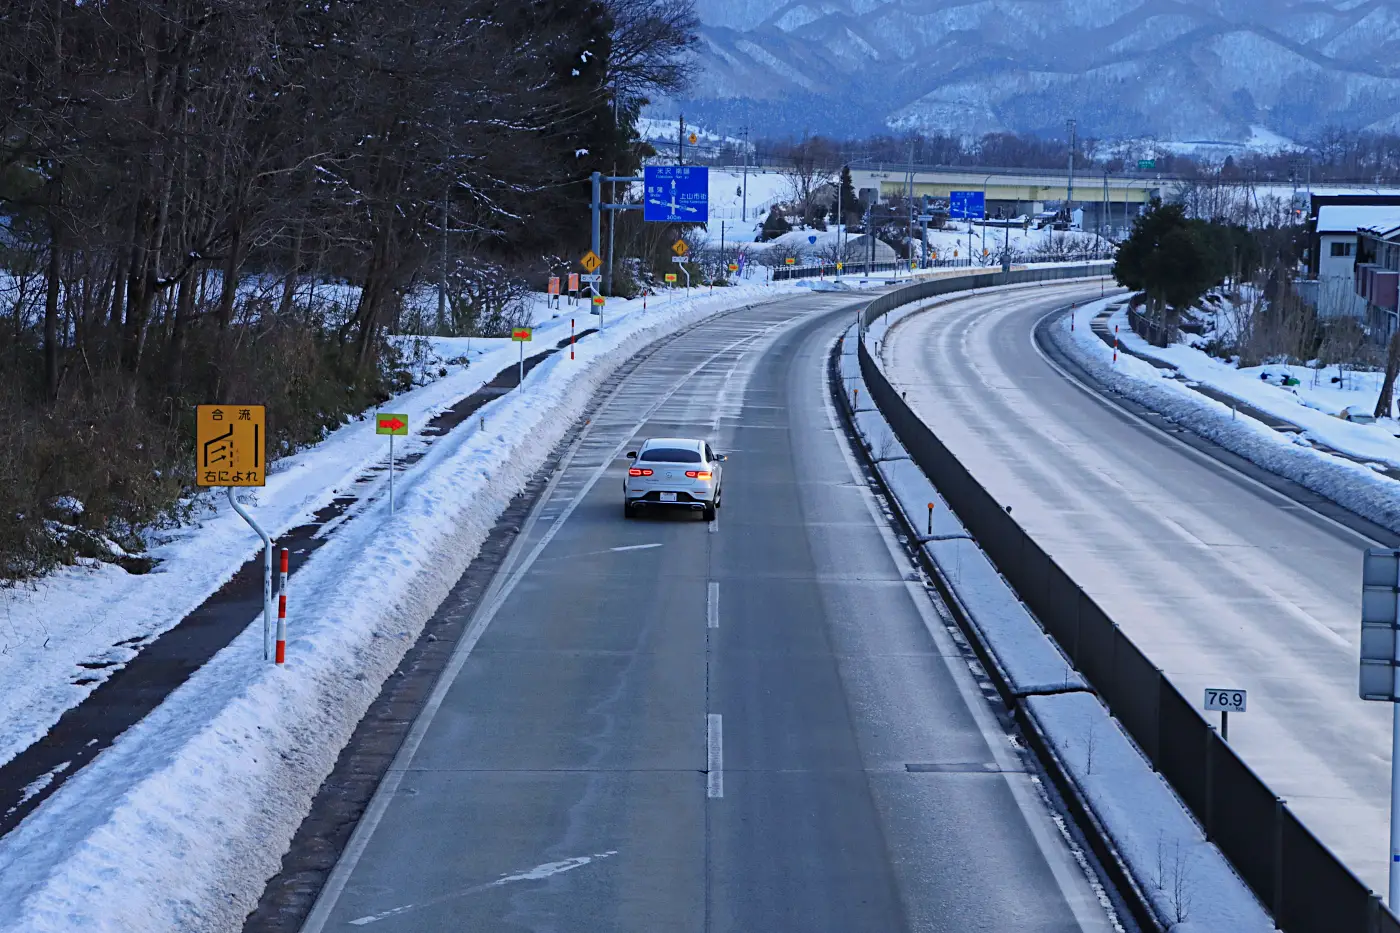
(670, 455)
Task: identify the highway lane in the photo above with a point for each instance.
(1221, 582)
(666, 724)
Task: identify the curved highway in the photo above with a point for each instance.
(759, 723)
(1221, 581)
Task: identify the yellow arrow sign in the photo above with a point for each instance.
(590, 261)
(679, 248)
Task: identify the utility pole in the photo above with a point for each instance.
(910, 236)
(1069, 192)
(1103, 216)
(840, 186)
(612, 237)
(680, 143)
(744, 212)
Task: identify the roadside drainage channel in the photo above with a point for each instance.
(164, 662)
(1101, 330)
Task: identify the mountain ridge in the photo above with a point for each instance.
(1177, 69)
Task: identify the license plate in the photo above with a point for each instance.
(668, 497)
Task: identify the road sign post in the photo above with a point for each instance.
(394, 426)
(1225, 702)
(231, 451)
(522, 336)
(1380, 673)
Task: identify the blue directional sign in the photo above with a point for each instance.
(967, 204)
(677, 194)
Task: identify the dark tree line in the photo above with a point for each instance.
(183, 183)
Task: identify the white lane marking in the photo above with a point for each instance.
(714, 784)
(538, 873)
(503, 584)
(637, 547)
(712, 605)
(1092, 909)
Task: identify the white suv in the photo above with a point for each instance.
(673, 473)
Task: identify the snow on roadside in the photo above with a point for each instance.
(1351, 485)
(1191, 884)
(237, 753)
(1312, 407)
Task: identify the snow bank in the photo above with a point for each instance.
(1313, 404)
(1351, 485)
(236, 754)
(1191, 884)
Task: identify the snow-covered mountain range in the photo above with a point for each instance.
(1177, 69)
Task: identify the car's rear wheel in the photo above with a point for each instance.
(709, 513)
(628, 511)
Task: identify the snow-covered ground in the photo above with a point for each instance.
(237, 752)
(1314, 404)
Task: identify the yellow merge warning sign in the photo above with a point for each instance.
(230, 445)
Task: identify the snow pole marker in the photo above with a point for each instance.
(930, 519)
(282, 609)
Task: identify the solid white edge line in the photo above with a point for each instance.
(636, 547)
(364, 830)
(712, 605)
(1071, 877)
(714, 742)
(1200, 456)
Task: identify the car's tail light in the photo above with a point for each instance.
(636, 472)
(698, 474)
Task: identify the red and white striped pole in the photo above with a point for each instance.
(282, 611)
(1115, 343)
(571, 338)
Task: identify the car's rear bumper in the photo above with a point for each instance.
(684, 500)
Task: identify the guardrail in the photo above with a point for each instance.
(1303, 885)
(813, 270)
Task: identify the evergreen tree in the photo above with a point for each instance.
(850, 202)
(775, 225)
(1170, 259)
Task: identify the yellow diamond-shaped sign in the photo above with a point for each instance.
(840, 266)
(590, 261)
(679, 248)
(694, 139)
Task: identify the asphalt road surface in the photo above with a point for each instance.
(667, 724)
(1221, 581)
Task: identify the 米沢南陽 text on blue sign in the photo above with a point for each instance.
(965, 204)
(677, 194)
